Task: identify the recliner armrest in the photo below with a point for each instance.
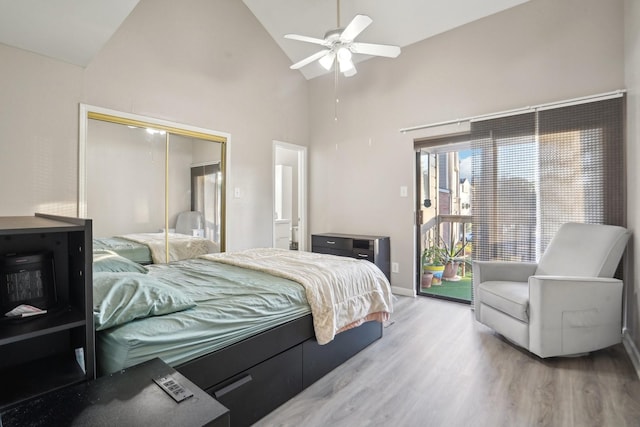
(509, 271)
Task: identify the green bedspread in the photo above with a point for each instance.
(232, 303)
(129, 249)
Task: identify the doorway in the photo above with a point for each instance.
(444, 234)
(289, 196)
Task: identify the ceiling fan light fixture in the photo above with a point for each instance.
(340, 45)
(327, 60)
(344, 54)
(344, 59)
(346, 65)
(351, 72)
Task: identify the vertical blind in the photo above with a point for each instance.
(533, 172)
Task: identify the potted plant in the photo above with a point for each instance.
(452, 255)
(433, 263)
(427, 279)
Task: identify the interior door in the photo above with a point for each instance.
(289, 196)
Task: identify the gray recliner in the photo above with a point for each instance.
(189, 221)
(568, 303)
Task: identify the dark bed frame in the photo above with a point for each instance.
(255, 376)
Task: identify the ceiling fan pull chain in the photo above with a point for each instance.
(335, 92)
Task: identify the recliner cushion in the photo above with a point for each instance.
(584, 250)
(511, 298)
(188, 221)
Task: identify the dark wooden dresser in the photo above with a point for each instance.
(372, 248)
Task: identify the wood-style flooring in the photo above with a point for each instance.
(436, 366)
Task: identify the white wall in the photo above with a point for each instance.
(204, 63)
(632, 82)
(538, 52)
(38, 133)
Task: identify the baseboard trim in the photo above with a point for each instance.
(403, 291)
(632, 351)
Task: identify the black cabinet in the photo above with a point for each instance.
(372, 248)
(131, 397)
(48, 351)
(320, 359)
(255, 392)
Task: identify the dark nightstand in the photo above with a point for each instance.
(127, 398)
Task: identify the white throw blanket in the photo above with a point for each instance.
(342, 292)
(181, 246)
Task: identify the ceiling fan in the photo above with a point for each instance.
(339, 45)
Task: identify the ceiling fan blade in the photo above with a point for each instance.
(355, 27)
(309, 59)
(305, 39)
(375, 49)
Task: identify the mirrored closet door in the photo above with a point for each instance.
(140, 175)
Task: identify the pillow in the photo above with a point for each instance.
(120, 298)
(105, 260)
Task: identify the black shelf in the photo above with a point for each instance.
(13, 330)
(46, 352)
(40, 376)
(40, 223)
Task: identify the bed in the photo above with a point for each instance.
(251, 328)
(148, 248)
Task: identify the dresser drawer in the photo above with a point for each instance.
(339, 243)
(331, 251)
(363, 254)
(254, 393)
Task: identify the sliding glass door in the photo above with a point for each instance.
(444, 217)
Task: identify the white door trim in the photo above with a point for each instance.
(302, 189)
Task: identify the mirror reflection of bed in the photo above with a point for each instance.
(140, 179)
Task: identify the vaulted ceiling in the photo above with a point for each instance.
(74, 31)
(395, 22)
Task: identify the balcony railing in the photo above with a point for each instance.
(454, 232)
